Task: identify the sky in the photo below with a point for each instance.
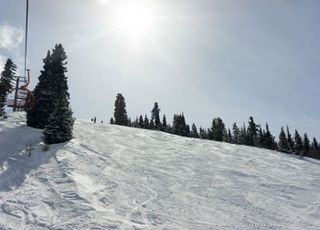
(205, 58)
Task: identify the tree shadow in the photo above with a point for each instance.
(15, 164)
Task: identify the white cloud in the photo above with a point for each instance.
(10, 37)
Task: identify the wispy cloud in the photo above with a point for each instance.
(10, 37)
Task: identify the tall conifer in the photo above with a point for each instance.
(306, 144)
(298, 145)
(290, 141)
(120, 112)
(155, 116)
(283, 141)
(6, 82)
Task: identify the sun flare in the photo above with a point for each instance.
(134, 21)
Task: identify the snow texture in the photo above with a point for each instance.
(113, 177)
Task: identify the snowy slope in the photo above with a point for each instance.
(111, 177)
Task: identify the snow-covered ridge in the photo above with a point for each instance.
(112, 177)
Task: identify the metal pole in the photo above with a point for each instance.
(16, 96)
(26, 40)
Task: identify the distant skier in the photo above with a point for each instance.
(101, 121)
(94, 119)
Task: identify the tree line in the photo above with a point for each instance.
(250, 134)
(52, 113)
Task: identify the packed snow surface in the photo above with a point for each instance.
(112, 177)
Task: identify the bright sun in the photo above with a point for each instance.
(134, 21)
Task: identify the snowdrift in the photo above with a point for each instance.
(112, 177)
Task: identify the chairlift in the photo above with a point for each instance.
(21, 98)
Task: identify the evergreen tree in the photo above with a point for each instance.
(236, 133)
(269, 139)
(52, 86)
(298, 146)
(203, 133)
(151, 124)
(6, 82)
(120, 112)
(141, 122)
(179, 125)
(315, 145)
(229, 137)
(252, 132)
(283, 142)
(209, 134)
(111, 121)
(290, 141)
(306, 144)
(217, 129)
(243, 135)
(146, 122)
(188, 132)
(60, 124)
(194, 131)
(261, 138)
(155, 116)
(164, 123)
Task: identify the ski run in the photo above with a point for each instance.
(114, 177)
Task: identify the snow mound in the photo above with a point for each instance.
(112, 177)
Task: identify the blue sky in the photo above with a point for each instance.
(205, 58)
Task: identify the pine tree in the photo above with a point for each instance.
(120, 112)
(298, 146)
(60, 124)
(6, 82)
(315, 145)
(209, 134)
(194, 131)
(52, 87)
(229, 137)
(141, 122)
(151, 124)
(236, 133)
(243, 135)
(164, 123)
(290, 141)
(217, 128)
(202, 133)
(261, 138)
(306, 145)
(146, 122)
(269, 139)
(252, 132)
(155, 116)
(179, 126)
(188, 132)
(283, 142)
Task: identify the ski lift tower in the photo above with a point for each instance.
(23, 98)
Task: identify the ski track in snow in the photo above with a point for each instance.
(112, 177)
